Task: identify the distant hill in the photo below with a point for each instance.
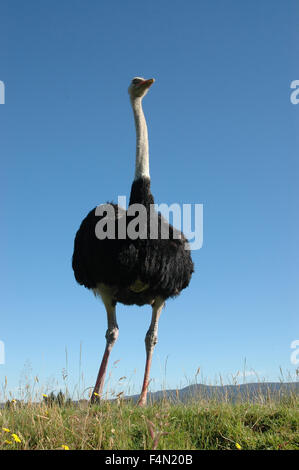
(253, 392)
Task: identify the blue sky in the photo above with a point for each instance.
(223, 133)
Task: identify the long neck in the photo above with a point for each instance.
(142, 156)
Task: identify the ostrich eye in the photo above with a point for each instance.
(136, 80)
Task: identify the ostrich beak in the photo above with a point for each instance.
(147, 83)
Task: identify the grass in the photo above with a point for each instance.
(118, 425)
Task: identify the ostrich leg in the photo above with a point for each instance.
(111, 337)
(151, 340)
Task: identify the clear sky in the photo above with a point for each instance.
(223, 133)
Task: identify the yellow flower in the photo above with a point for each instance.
(5, 430)
(14, 401)
(7, 442)
(44, 395)
(65, 447)
(96, 394)
(238, 446)
(16, 438)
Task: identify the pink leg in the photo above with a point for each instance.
(111, 337)
(151, 340)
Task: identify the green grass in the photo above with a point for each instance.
(164, 425)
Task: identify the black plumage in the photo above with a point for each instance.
(164, 265)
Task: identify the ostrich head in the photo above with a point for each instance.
(139, 87)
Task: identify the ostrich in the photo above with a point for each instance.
(130, 271)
